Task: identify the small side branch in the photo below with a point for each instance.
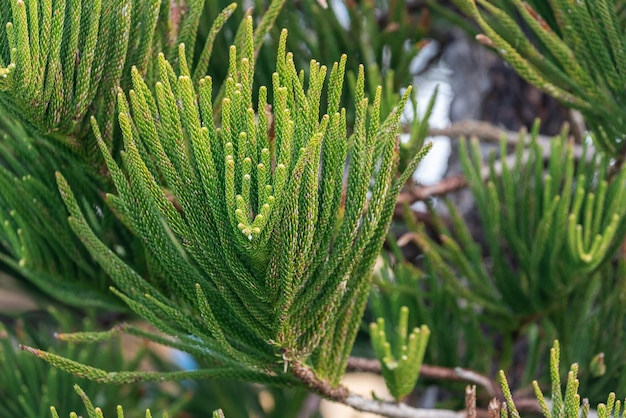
(485, 131)
(433, 372)
(445, 186)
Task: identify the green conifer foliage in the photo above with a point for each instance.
(400, 357)
(547, 231)
(552, 233)
(35, 238)
(61, 61)
(261, 251)
(566, 403)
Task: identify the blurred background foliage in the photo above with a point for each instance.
(28, 387)
(495, 287)
(545, 43)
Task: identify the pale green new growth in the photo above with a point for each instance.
(401, 362)
(509, 408)
(260, 252)
(566, 404)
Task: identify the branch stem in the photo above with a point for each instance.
(432, 372)
(342, 395)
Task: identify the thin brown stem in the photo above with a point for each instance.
(485, 131)
(470, 401)
(433, 372)
(445, 186)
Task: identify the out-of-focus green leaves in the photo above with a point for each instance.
(575, 53)
(29, 387)
(546, 231)
(251, 400)
(550, 234)
(36, 241)
(384, 36)
(96, 412)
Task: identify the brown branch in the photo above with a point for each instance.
(484, 131)
(432, 372)
(445, 186)
(487, 132)
(322, 387)
(343, 395)
(362, 364)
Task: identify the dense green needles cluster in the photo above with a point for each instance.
(62, 61)
(400, 363)
(248, 223)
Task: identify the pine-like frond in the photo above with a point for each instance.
(47, 87)
(35, 238)
(547, 231)
(264, 250)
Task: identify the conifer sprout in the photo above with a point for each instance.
(401, 362)
(261, 228)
